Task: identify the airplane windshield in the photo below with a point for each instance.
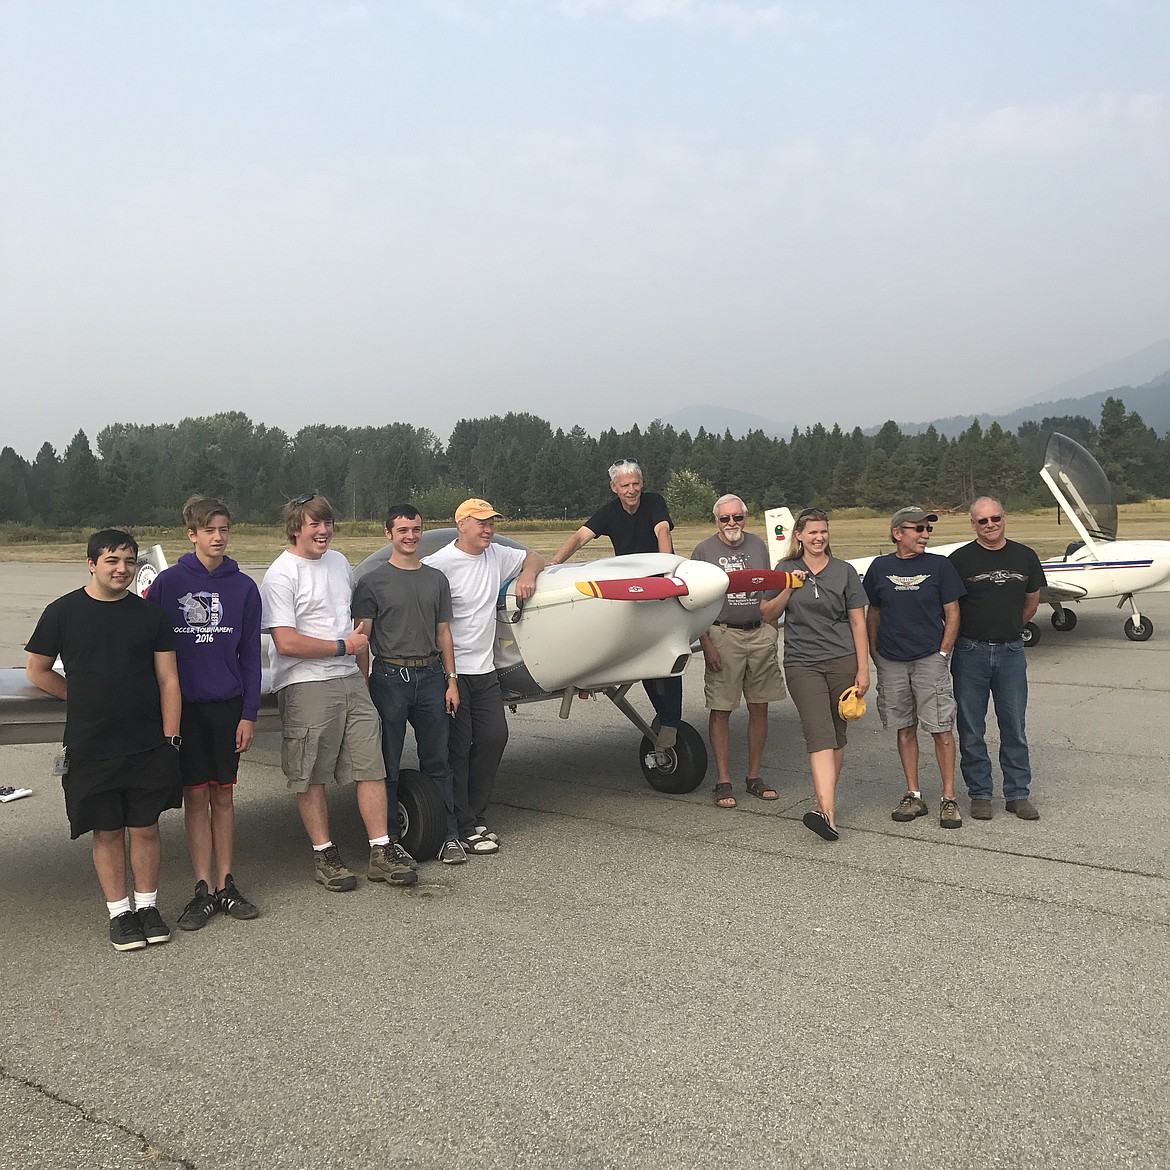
(1080, 478)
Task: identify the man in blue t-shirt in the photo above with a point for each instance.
(913, 621)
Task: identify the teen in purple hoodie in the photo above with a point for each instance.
(215, 612)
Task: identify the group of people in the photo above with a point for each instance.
(162, 693)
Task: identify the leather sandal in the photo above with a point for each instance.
(723, 796)
(757, 787)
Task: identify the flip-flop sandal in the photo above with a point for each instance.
(757, 787)
(478, 844)
(819, 824)
(723, 792)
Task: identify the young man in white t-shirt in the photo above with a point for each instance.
(330, 727)
(475, 569)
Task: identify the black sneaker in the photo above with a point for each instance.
(153, 926)
(233, 903)
(126, 932)
(200, 910)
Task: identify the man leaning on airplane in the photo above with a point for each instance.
(912, 622)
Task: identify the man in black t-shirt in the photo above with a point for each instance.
(636, 522)
(123, 703)
(1003, 581)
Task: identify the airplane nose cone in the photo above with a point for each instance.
(706, 584)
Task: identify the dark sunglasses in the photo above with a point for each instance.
(989, 520)
(813, 514)
(736, 517)
(303, 499)
(920, 527)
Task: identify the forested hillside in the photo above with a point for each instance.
(140, 475)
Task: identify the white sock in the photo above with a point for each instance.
(379, 841)
(116, 908)
(142, 901)
(322, 848)
(915, 793)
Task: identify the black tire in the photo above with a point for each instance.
(422, 813)
(687, 762)
(1064, 620)
(1139, 633)
(1031, 634)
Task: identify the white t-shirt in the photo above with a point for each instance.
(475, 580)
(311, 597)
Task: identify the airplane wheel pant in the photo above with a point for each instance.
(666, 699)
(478, 736)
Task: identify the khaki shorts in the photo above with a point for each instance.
(750, 668)
(816, 689)
(331, 731)
(918, 692)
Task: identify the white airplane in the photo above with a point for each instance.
(590, 628)
(1097, 566)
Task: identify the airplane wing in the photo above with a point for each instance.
(1060, 591)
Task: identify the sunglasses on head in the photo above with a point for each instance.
(303, 499)
(920, 527)
(813, 514)
(735, 517)
(989, 520)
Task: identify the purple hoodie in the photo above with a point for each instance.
(216, 619)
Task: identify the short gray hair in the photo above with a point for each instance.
(726, 500)
(625, 467)
(979, 500)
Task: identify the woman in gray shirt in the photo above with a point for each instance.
(825, 653)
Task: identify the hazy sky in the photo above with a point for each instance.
(596, 210)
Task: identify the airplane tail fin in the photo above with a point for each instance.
(150, 564)
(778, 524)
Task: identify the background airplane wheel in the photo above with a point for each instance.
(1139, 631)
(1031, 634)
(423, 814)
(1063, 620)
(686, 762)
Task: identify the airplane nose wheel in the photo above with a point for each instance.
(1031, 635)
(678, 769)
(1063, 620)
(1139, 629)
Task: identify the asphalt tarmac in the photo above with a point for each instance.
(635, 980)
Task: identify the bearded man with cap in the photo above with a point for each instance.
(475, 568)
(912, 622)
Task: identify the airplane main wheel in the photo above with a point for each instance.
(1063, 620)
(683, 766)
(422, 813)
(1031, 635)
(1141, 631)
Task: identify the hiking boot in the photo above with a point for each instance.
(911, 806)
(981, 808)
(153, 926)
(949, 816)
(385, 867)
(1024, 809)
(200, 910)
(452, 853)
(400, 855)
(126, 932)
(233, 903)
(330, 871)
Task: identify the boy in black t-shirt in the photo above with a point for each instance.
(121, 689)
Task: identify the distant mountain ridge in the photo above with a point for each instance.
(1141, 381)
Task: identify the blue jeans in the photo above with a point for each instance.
(982, 671)
(417, 694)
(666, 698)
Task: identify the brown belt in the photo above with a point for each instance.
(416, 662)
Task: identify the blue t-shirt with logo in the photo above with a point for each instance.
(911, 593)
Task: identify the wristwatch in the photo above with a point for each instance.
(176, 741)
(451, 676)
(945, 655)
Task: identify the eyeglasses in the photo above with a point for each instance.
(734, 518)
(918, 527)
(985, 520)
(303, 499)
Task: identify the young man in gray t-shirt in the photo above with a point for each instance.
(405, 608)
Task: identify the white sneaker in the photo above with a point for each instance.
(9, 793)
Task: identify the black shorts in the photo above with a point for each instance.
(208, 754)
(125, 792)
